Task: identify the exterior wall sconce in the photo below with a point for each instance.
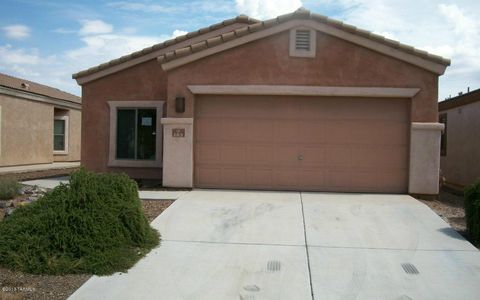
(180, 104)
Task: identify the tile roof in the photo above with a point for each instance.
(298, 14)
(36, 88)
(239, 19)
(460, 100)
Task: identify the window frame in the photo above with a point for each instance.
(443, 119)
(66, 135)
(294, 52)
(134, 163)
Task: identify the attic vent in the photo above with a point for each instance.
(302, 42)
(25, 85)
(302, 39)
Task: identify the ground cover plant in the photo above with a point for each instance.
(93, 225)
(472, 212)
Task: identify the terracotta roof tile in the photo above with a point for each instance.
(36, 88)
(213, 41)
(199, 46)
(241, 31)
(228, 36)
(240, 19)
(302, 13)
(258, 26)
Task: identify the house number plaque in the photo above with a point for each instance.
(178, 132)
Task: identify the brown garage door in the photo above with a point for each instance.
(302, 143)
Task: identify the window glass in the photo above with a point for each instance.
(136, 133)
(146, 126)
(59, 135)
(126, 133)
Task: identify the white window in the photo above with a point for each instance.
(60, 135)
(302, 42)
(135, 133)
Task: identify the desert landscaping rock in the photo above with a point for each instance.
(5, 203)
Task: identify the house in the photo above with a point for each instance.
(299, 102)
(460, 143)
(38, 124)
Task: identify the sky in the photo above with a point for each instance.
(47, 41)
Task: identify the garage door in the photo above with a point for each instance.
(302, 143)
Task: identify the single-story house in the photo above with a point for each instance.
(298, 102)
(38, 124)
(460, 143)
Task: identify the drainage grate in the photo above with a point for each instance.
(274, 265)
(410, 269)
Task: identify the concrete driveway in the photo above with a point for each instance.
(290, 245)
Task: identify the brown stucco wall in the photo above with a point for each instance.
(143, 82)
(267, 61)
(26, 130)
(338, 63)
(461, 165)
(74, 136)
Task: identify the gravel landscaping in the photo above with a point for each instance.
(450, 207)
(18, 285)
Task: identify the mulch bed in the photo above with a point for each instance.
(17, 285)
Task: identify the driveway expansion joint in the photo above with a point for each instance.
(306, 247)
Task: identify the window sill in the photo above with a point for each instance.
(60, 152)
(135, 163)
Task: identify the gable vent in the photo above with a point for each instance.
(302, 39)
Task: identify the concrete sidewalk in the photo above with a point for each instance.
(38, 167)
(288, 245)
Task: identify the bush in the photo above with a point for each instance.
(8, 189)
(472, 211)
(93, 225)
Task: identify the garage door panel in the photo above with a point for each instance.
(314, 156)
(346, 144)
(260, 177)
(313, 178)
(287, 178)
(285, 155)
(259, 130)
(234, 176)
(233, 154)
(207, 129)
(336, 156)
(208, 176)
(208, 153)
(234, 130)
(258, 154)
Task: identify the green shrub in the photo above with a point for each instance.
(472, 211)
(8, 189)
(94, 225)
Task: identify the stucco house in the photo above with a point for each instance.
(38, 124)
(298, 102)
(460, 143)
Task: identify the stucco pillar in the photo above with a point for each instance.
(177, 152)
(425, 158)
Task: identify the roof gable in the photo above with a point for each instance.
(36, 88)
(154, 51)
(303, 18)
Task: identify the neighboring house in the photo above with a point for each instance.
(38, 124)
(299, 102)
(460, 145)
